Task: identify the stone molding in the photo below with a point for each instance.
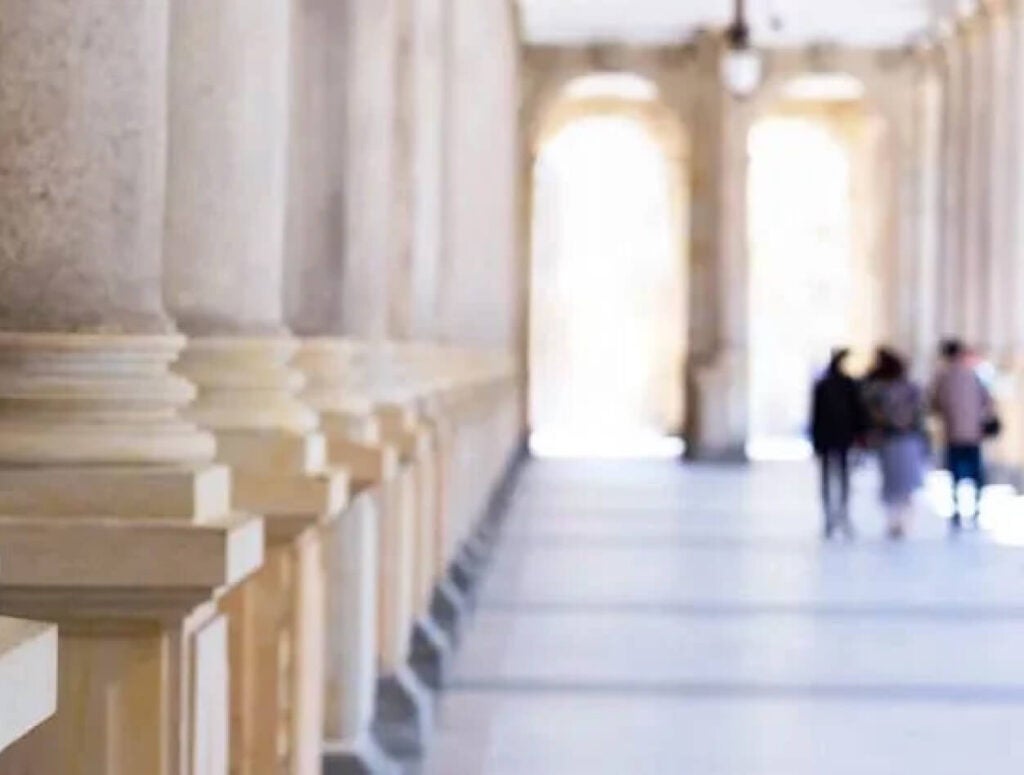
(246, 384)
(88, 399)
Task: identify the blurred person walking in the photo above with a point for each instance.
(896, 412)
(838, 422)
(965, 408)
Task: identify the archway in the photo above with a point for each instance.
(607, 319)
(818, 204)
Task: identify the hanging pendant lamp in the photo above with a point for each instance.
(742, 67)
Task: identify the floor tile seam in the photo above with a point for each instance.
(809, 548)
(860, 692)
(629, 611)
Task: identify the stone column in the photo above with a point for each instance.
(344, 356)
(717, 367)
(224, 250)
(1007, 295)
(320, 271)
(370, 50)
(1001, 155)
(118, 527)
(1014, 286)
(900, 164)
(953, 155)
(927, 217)
(400, 265)
(911, 265)
(428, 95)
(975, 277)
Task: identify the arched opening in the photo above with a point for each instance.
(607, 328)
(818, 228)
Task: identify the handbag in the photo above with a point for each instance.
(992, 427)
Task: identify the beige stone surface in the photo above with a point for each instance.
(117, 528)
(82, 156)
(72, 558)
(70, 399)
(480, 301)
(314, 257)
(111, 673)
(294, 502)
(28, 678)
(368, 226)
(337, 375)
(227, 165)
(211, 700)
(396, 568)
(350, 558)
(192, 494)
(429, 58)
(975, 246)
(246, 384)
(368, 464)
(276, 646)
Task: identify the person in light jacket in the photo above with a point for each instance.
(964, 406)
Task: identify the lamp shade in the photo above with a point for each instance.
(742, 70)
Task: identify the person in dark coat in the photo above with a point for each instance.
(838, 422)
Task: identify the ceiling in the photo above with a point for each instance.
(774, 22)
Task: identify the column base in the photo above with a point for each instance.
(430, 654)
(465, 573)
(735, 454)
(449, 610)
(717, 423)
(404, 715)
(364, 757)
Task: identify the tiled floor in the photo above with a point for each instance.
(651, 619)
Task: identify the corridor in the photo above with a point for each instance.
(658, 619)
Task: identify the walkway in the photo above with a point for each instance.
(649, 619)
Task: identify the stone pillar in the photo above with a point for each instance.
(322, 272)
(348, 367)
(717, 366)
(1007, 294)
(953, 156)
(900, 166)
(914, 108)
(1001, 155)
(400, 265)
(370, 50)
(477, 304)
(117, 527)
(927, 216)
(1014, 286)
(428, 95)
(224, 250)
(975, 277)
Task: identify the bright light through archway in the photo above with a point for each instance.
(800, 233)
(606, 314)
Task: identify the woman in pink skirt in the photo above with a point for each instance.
(896, 409)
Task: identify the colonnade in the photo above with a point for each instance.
(940, 238)
(246, 436)
(969, 227)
